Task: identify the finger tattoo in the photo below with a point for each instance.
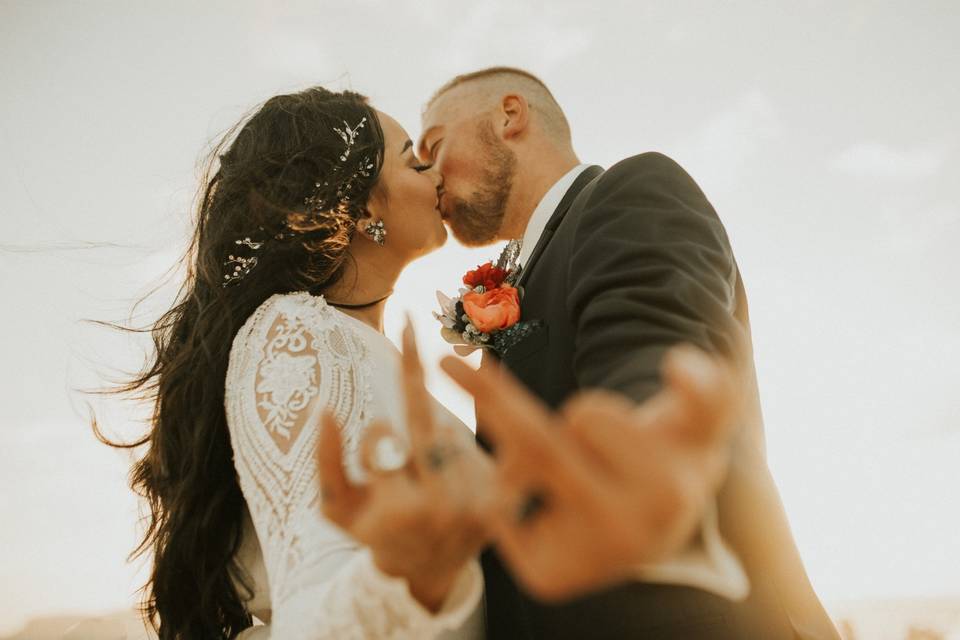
(440, 454)
(532, 504)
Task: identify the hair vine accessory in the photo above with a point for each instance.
(238, 266)
(316, 202)
(377, 232)
(241, 265)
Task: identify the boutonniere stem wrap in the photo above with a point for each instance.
(486, 312)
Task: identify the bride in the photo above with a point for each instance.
(309, 212)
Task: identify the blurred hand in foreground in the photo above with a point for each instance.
(420, 513)
(587, 494)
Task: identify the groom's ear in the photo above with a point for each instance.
(515, 114)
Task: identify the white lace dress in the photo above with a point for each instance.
(294, 356)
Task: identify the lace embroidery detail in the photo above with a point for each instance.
(294, 357)
(289, 383)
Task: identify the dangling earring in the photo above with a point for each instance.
(377, 232)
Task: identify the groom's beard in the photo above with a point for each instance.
(477, 221)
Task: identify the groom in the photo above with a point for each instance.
(619, 265)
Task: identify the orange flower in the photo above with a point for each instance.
(493, 310)
(487, 275)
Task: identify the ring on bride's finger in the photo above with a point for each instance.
(389, 454)
(532, 504)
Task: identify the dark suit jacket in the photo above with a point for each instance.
(633, 261)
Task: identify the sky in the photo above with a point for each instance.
(826, 134)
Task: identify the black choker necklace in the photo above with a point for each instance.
(359, 306)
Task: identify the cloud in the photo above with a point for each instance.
(507, 32)
(720, 150)
(295, 54)
(680, 34)
(879, 160)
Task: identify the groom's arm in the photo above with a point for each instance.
(651, 267)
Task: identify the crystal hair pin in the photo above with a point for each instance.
(349, 136)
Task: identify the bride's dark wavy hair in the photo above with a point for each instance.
(254, 185)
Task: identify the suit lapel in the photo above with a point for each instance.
(578, 185)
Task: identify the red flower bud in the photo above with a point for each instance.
(487, 275)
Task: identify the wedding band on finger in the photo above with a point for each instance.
(388, 455)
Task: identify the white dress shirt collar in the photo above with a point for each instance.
(541, 215)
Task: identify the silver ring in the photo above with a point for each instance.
(389, 454)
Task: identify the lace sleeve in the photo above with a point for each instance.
(290, 360)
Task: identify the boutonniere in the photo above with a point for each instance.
(486, 312)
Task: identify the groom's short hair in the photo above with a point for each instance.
(496, 81)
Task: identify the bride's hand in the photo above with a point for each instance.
(420, 512)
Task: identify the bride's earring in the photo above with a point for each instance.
(377, 232)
